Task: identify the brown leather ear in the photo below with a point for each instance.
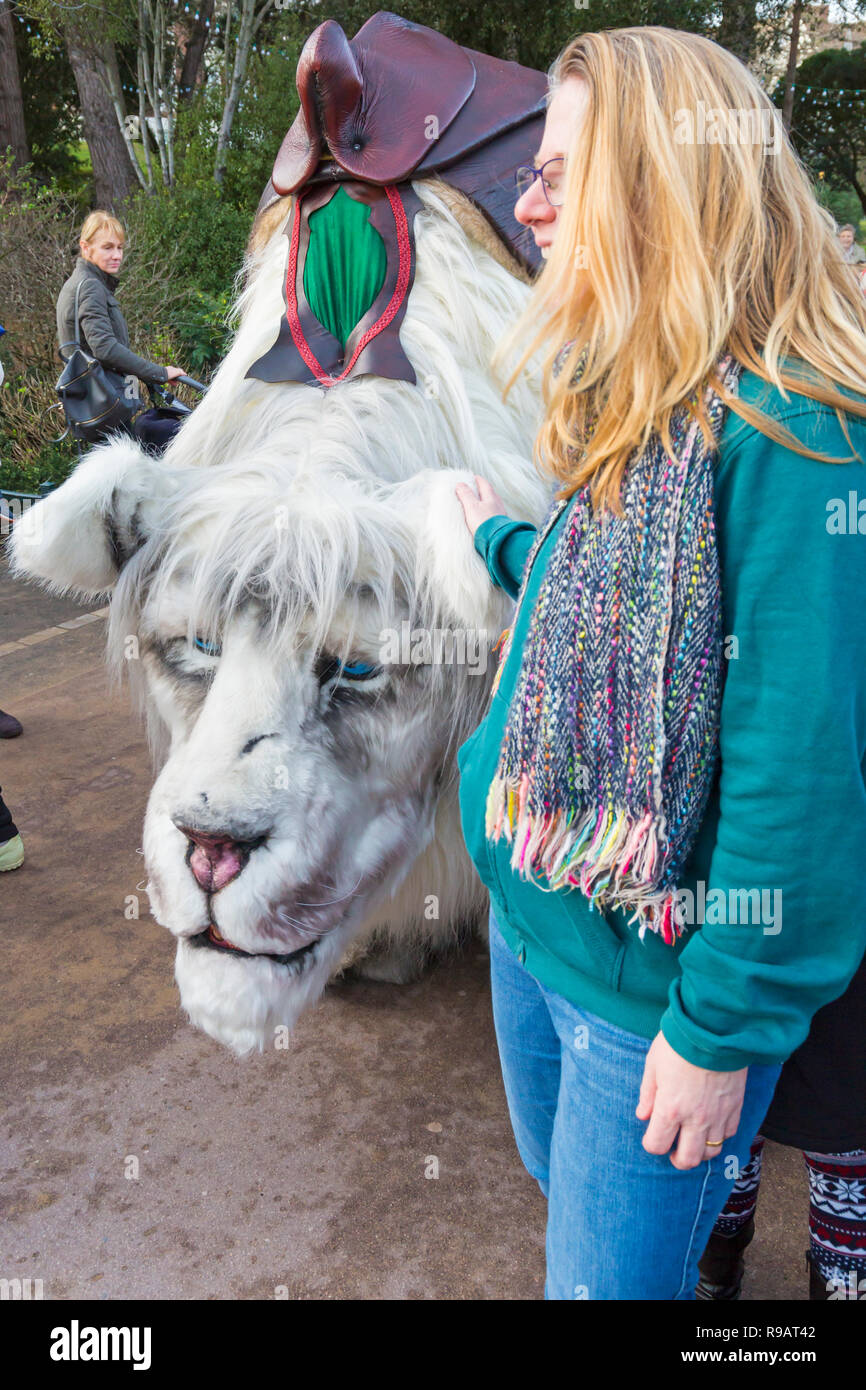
(326, 51)
(399, 101)
(385, 99)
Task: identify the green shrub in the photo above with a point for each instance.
(189, 239)
(204, 331)
(30, 449)
(53, 464)
(37, 240)
(267, 107)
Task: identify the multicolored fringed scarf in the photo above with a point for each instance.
(611, 739)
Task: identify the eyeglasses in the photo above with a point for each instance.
(552, 175)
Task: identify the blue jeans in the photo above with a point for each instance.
(621, 1223)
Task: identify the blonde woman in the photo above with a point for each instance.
(666, 798)
(102, 326)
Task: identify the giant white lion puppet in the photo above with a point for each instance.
(311, 622)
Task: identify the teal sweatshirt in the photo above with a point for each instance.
(787, 811)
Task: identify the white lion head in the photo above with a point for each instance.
(301, 607)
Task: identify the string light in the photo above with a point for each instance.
(845, 98)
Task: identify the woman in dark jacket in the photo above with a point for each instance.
(102, 327)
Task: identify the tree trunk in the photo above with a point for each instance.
(192, 58)
(143, 129)
(117, 101)
(249, 27)
(861, 193)
(12, 130)
(150, 49)
(852, 174)
(788, 103)
(737, 29)
(113, 175)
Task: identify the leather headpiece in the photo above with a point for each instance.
(401, 101)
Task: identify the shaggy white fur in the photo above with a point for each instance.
(287, 528)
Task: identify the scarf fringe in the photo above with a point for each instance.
(607, 854)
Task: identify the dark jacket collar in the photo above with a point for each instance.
(90, 268)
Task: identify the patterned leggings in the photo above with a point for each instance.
(837, 1213)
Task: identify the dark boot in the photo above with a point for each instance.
(8, 828)
(818, 1290)
(9, 726)
(821, 1288)
(721, 1265)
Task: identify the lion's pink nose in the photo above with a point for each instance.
(216, 858)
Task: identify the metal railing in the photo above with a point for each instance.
(44, 489)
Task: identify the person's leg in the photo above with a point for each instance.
(155, 436)
(721, 1265)
(529, 1054)
(8, 828)
(623, 1223)
(837, 1224)
(11, 844)
(739, 1209)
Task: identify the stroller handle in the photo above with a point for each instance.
(191, 381)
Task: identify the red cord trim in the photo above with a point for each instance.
(404, 250)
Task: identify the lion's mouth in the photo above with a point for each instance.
(211, 939)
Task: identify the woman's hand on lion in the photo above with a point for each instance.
(480, 506)
(679, 1098)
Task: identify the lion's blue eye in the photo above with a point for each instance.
(358, 670)
(209, 648)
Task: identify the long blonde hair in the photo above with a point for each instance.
(669, 251)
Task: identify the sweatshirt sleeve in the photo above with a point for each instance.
(103, 342)
(792, 795)
(503, 545)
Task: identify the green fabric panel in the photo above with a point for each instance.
(345, 264)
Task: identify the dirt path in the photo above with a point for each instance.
(141, 1160)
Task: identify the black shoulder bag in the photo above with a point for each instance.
(91, 403)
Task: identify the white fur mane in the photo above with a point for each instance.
(306, 489)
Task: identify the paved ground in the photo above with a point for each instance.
(300, 1173)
